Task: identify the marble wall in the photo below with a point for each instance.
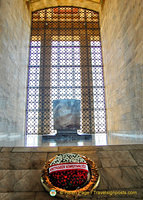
(122, 41)
(14, 45)
(120, 167)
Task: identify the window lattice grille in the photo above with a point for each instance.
(65, 62)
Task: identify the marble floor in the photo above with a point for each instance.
(97, 140)
(119, 159)
(120, 168)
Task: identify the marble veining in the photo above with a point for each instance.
(120, 168)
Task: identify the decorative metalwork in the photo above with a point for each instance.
(65, 62)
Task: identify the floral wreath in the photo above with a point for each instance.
(70, 175)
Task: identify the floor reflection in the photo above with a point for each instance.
(97, 140)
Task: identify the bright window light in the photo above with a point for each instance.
(33, 84)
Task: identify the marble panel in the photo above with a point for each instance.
(27, 160)
(4, 196)
(44, 196)
(35, 149)
(15, 32)
(66, 149)
(20, 160)
(126, 147)
(111, 197)
(123, 177)
(116, 158)
(18, 196)
(103, 184)
(140, 171)
(106, 148)
(7, 181)
(4, 160)
(6, 149)
(22, 196)
(20, 181)
(138, 155)
(38, 160)
(27, 181)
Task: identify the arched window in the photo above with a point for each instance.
(65, 62)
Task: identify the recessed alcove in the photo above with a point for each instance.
(121, 59)
(118, 152)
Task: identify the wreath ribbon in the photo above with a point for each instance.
(68, 166)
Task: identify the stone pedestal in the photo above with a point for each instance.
(67, 135)
(66, 121)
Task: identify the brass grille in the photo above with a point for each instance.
(65, 62)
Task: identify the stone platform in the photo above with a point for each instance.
(67, 135)
(120, 168)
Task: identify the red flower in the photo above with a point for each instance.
(69, 179)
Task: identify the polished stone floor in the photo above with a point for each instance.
(120, 168)
(97, 140)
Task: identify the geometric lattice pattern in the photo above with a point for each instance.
(65, 62)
